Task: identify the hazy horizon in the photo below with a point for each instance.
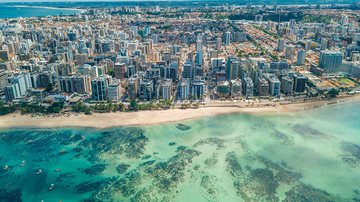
(232, 1)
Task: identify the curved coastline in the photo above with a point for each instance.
(48, 7)
(144, 118)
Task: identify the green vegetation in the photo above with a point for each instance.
(316, 19)
(80, 107)
(111, 71)
(346, 81)
(268, 16)
(222, 17)
(298, 16)
(54, 108)
(133, 105)
(267, 32)
(332, 93)
(6, 109)
(26, 108)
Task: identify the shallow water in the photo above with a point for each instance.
(307, 156)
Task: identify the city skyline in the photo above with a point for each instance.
(179, 101)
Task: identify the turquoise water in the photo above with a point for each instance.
(307, 156)
(15, 12)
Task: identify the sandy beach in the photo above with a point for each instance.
(105, 120)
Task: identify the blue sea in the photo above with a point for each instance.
(12, 11)
(305, 156)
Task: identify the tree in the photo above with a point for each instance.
(134, 105)
(81, 107)
(56, 107)
(333, 93)
(6, 109)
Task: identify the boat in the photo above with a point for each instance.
(23, 163)
(58, 170)
(39, 171)
(51, 187)
(6, 167)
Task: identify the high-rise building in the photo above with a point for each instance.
(45, 79)
(287, 84)
(323, 44)
(232, 68)
(155, 39)
(184, 89)
(22, 81)
(3, 80)
(248, 87)
(292, 23)
(147, 30)
(262, 87)
(199, 58)
(74, 84)
(120, 70)
(12, 92)
(289, 52)
(114, 91)
(133, 87)
(223, 89)
(166, 90)
(274, 84)
(198, 88)
(236, 88)
(301, 57)
(218, 43)
(198, 45)
(299, 83)
(99, 88)
(227, 38)
(187, 70)
(281, 44)
(175, 49)
(330, 61)
(146, 89)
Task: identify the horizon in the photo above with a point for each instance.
(225, 1)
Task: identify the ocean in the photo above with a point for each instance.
(304, 156)
(13, 11)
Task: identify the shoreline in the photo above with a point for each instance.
(49, 8)
(148, 118)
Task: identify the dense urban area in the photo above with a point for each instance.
(148, 58)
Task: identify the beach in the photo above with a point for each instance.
(142, 118)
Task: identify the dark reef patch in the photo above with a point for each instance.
(304, 192)
(307, 130)
(95, 169)
(183, 127)
(88, 186)
(285, 139)
(10, 195)
(352, 153)
(122, 168)
(130, 142)
(219, 143)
